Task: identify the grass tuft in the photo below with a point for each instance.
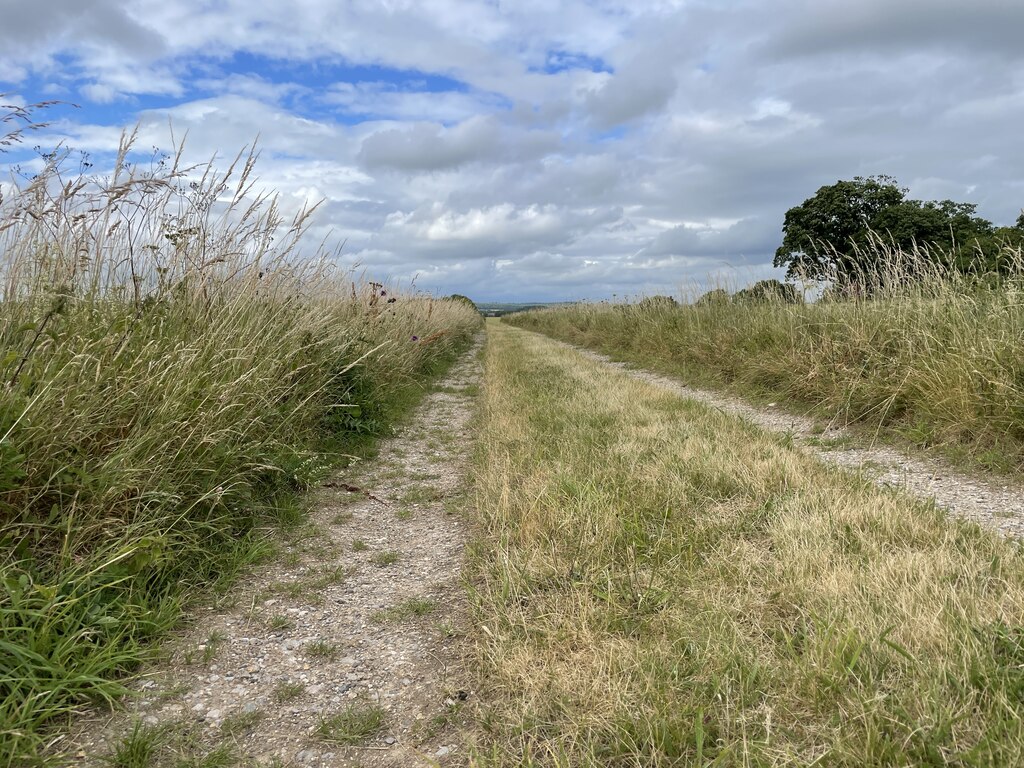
(414, 607)
(239, 724)
(322, 649)
(138, 749)
(352, 725)
(288, 691)
(385, 558)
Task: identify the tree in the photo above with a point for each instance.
(769, 291)
(657, 302)
(458, 297)
(833, 234)
(714, 298)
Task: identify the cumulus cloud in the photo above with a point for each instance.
(537, 150)
(430, 147)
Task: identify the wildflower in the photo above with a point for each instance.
(415, 338)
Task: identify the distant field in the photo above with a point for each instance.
(660, 584)
(498, 309)
(939, 365)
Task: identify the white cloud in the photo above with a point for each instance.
(430, 147)
(543, 149)
(386, 100)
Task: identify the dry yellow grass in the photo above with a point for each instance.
(936, 361)
(661, 584)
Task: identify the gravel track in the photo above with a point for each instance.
(365, 609)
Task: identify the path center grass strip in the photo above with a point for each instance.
(661, 584)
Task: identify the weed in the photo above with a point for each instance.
(328, 577)
(239, 724)
(447, 629)
(423, 494)
(279, 622)
(138, 749)
(353, 725)
(212, 644)
(221, 756)
(288, 691)
(413, 607)
(385, 558)
(358, 545)
(322, 649)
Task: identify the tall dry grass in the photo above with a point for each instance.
(176, 366)
(923, 353)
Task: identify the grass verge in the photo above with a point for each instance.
(658, 583)
(176, 373)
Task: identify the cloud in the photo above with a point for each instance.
(542, 150)
(736, 241)
(816, 27)
(431, 147)
(65, 24)
(387, 100)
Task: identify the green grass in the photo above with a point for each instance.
(138, 749)
(239, 724)
(385, 558)
(280, 622)
(179, 744)
(172, 384)
(288, 691)
(212, 645)
(423, 494)
(658, 583)
(351, 726)
(937, 365)
(322, 649)
(414, 607)
(358, 545)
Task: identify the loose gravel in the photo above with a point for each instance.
(989, 502)
(349, 649)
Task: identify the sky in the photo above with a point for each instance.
(546, 151)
